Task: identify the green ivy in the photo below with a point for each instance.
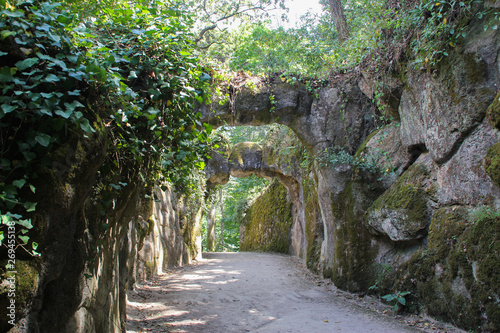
(126, 67)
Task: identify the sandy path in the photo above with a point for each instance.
(248, 292)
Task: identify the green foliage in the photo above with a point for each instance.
(397, 298)
(155, 79)
(126, 68)
(41, 82)
(237, 195)
(380, 32)
(442, 24)
(260, 49)
(311, 49)
(238, 134)
(337, 156)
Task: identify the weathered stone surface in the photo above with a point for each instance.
(217, 169)
(384, 91)
(463, 180)
(341, 116)
(492, 163)
(439, 111)
(245, 159)
(493, 112)
(387, 150)
(267, 224)
(93, 255)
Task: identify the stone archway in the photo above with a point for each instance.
(248, 158)
(334, 116)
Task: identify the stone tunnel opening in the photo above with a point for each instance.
(257, 161)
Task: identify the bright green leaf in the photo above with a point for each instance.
(51, 78)
(25, 239)
(65, 114)
(6, 33)
(22, 65)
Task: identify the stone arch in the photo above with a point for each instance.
(332, 116)
(249, 158)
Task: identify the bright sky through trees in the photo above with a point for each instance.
(297, 9)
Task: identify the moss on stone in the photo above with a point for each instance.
(406, 193)
(492, 163)
(362, 148)
(409, 197)
(239, 150)
(267, 223)
(493, 112)
(354, 254)
(314, 228)
(26, 283)
(457, 278)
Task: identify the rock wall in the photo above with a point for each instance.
(96, 242)
(267, 224)
(404, 209)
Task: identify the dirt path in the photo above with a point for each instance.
(254, 292)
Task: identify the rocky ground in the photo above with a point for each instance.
(255, 292)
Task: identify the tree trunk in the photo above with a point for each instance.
(339, 20)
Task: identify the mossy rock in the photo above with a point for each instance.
(446, 225)
(268, 222)
(354, 251)
(314, 228)
(493, 112)
(26, 279)
(492, 163)
(402, 212)
(457, 278)
(362, 148)
(240, 150)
